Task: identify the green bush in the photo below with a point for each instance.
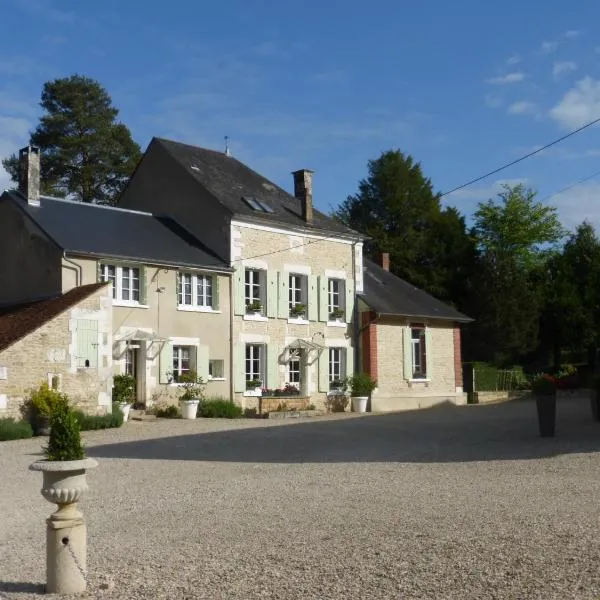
(361, 384)
(44, 400)
(167, 412)
(65, 439)
(123, 388)
(93, 422)
(14, 430)
(219, 408)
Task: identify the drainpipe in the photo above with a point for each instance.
(356, 324)
(75, 267)
(231, 341)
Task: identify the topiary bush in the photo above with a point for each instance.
(14, 430)
(65, 439)
(219, 408)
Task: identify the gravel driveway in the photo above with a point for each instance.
(447, 503)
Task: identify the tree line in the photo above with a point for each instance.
(532, 288)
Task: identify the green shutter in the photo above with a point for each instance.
(143, 285)
(272, 367)
(349, 361)
(239, 367)
(271, 293)
(202, 362)
(324, 370)
(428, 353)
(349, 300)
(323, 299)
(166, 362)
(216, 284)
(239, 303)
(284, 296)
(87, 343)
(407, 348)
(313, 298)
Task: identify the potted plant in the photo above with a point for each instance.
(254, 307)
(123, 393)
(298, 311)
(338, 386)
(337, 314)
(193, 392)
(64, 483)
(361, 385)
(543, 389)
(40, 407)
(254, 385)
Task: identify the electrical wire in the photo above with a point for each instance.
(572, 185)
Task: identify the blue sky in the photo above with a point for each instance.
(462, 86)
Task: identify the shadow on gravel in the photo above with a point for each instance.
(443, 434)
(21, 587)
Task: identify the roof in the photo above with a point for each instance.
(230, 181)
(107, 231)
(388, 294)
(20, 320)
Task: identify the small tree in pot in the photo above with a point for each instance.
(193, 392)
(361, 386)
(123, 393)
(543, 389)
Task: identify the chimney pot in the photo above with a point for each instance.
(385, 261)
(29, 174)
(303, 191)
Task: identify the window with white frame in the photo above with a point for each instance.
(182, 361)
(194, 289)
(337, 366)
(335, 298)
(294, 369)
(130, 361)
(419, 351)
(125, 282)
(216, 368)
(298, 285)
(255, 364)
(254, 289)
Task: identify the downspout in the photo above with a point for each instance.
(75, 267)
(356, 325)
(231, 342)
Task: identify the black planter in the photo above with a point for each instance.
(595, 402)
(546, 412)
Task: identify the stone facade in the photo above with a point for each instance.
(52, 350)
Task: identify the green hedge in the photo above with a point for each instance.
(14, 430)
(219, 409)
(93, 422)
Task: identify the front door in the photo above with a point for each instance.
(296, 370)
(134, 362)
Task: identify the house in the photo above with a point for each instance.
(410, 342)
(170, 294)
(296, 270)
(47, 340)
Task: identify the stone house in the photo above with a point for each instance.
(170, 293)
(65, 341)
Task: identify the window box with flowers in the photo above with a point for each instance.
(337, 315)
(254, 307)
(298, 311)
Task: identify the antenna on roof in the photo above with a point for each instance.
(227, 150)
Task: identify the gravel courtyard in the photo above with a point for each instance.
(446, 503)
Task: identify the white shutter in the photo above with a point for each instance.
(165, 362)
(202, 362)
(313, 298)
(324, 370)
(87, 343)
(239, 367)
(323, 299)
(272, 301)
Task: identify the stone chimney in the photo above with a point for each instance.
(385, 261)
(303, 191)
(29, 174)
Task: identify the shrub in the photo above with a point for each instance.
(44, 400)
(543, 385)
(219, 408)
(65, 439)
(123, 388)
(167, 412)
(93, 422)
(193, 386)
(361, 384)
(14, 430)
(337, 403)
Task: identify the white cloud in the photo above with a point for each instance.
(523, 107)
(493, 101)
(508, 78)
(548, 47)
(563, 66)
(579, 105)
(577, 204)
(513, 60)
(572, 33)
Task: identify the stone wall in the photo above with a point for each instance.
(51, 350)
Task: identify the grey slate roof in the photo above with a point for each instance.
(229, 180)
(387, 294)
(103, 231)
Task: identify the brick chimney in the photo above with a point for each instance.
(385, 261)
(29, 174)
(303, 191)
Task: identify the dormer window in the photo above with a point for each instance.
(258, 205)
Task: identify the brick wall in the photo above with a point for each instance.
(369, 343)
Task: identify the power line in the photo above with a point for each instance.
(522, 158)
(572, 185)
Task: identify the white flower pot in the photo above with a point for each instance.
(189, 408)
(359, 404)
(125, 408)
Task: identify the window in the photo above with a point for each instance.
(130, 362)
(294, 369)
(335, 298)
(337, 365)
(256, 204)
(125, 282)
(195, 290)
(298, 285)
(255, 362)
(216, 369)
(254, 288)
(182, 361)
(419, 351)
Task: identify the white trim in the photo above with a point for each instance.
(253, 317)
(184, 341)
(129, 304)
(291, 232)
(293, 321)
(216, 379)
(254, 338)
(251, 263)
(333, 274)
(336, 324)
(427, 380)
(337, 342)
(300, 269)
(204, 309)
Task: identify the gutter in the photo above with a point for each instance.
(75, 267)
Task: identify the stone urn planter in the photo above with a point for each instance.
(125, 408)
(189, 408)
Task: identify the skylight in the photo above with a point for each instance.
(256, 204)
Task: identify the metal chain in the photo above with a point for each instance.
(68, 544)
